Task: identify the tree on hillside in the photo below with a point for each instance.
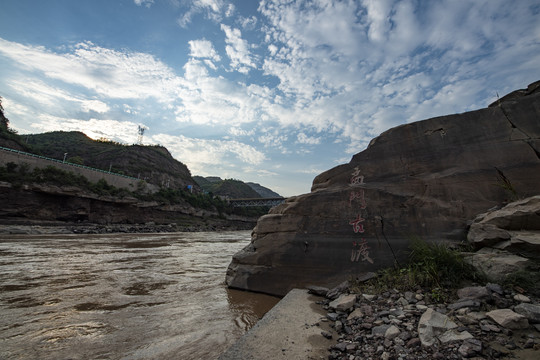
(4, 122)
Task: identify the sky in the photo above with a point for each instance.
(270, 91)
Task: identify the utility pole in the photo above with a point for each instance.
(141, 133)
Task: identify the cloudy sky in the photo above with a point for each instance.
(271, 91)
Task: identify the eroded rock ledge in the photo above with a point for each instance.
(426, 179)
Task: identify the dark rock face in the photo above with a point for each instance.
(39, 204)
(425, 179)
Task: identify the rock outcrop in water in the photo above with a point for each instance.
(426, 179)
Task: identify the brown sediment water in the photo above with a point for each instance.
(122, 296)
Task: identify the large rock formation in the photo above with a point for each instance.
(508, 239)
(426, 179)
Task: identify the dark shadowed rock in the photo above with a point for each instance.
(530, 311)
(317, 290)
(474, 293)
(427, 179)
(338, 290)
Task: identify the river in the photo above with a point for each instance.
(122, 296)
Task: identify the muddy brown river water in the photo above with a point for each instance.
(122, 296)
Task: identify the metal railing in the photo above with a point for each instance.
(256, 202)
(66, 163)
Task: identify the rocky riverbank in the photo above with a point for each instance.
(87, 228)
(476, 322)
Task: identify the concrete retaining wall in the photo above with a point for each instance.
(93, 175)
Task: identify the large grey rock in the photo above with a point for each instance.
(514, 228)
(508, 319)
(497, 264)
(431, 325)
(359, 216)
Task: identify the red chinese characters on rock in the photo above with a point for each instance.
(360, 250)
(357, 227)
(359, 197)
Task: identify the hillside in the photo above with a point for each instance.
(154, 164)
(263, 191)
(234, 189)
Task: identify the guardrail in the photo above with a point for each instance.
(257, 202)
(66, 163)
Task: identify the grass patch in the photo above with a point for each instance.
(526, 279)
(435, 266)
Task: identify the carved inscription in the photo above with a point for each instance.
(357, 201)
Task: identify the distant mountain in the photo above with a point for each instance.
(234, 189)
(263, 191)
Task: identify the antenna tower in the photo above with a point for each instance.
(141, 133)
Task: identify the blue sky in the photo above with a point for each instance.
(269, 91)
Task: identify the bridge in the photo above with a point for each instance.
(257, 202)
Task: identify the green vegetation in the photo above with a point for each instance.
(19, 175)
(8, 136)
(430, 265)
(505, 183)
(234, 189)
(152, 163)
(526, 279)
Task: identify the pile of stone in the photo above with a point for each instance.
(483, 322)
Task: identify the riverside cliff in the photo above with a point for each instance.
(426, 179)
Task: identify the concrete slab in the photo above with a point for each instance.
(290, 330)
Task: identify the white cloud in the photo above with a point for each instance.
(146, 3)
(248, 23)
(107, 72)
(203, 156)
(94, 105)
(55, 98)
(213, 9)
(203, 49)
(124, 132)
(359, 68)
(236, 131)
(237, 49)
(304, 139)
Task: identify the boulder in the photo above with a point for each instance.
(530, 311)
(344, 302)
(497, 264)
(428, 179)
(514, 228)
(508, 319)
(431, 325)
